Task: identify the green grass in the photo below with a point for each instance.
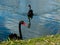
(45, 40)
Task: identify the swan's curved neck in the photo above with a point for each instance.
(20, 33)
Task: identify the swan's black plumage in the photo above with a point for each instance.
(14, 36)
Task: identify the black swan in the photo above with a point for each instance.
(30, 15)
(14, 36)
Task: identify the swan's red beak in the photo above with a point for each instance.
(24, 24)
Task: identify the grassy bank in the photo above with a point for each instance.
(47, 40)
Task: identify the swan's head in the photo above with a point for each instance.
(29, 6)
(22, 22)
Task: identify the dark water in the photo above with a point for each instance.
(3, 30)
